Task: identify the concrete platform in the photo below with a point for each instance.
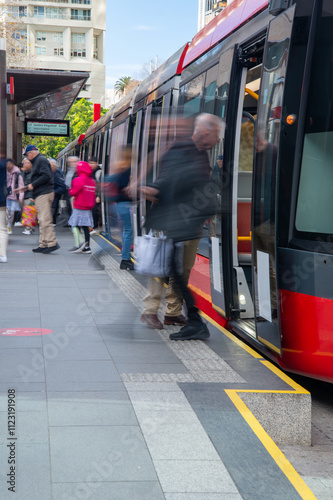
(106, 408)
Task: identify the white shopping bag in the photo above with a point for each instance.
(154, 255)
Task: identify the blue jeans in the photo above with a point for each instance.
(124, 212)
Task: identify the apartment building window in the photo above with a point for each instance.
(58, 36)
(20, 35)
(86, 2)
(78, 38)
(39, 11)
(95, 50)
(41, 51)
(58, 51)
(41, 36)
(55, 13)
(78, 53)
(16, 11)
(80, 15)
(19, 50)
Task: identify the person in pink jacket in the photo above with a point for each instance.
(83, 189)
(14, 200)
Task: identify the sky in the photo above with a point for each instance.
(138, 31)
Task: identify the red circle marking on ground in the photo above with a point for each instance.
(24, 332)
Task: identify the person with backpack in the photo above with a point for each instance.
(14, 200)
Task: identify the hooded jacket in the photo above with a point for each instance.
(14, 180)
(83, 187)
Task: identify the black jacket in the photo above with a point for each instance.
(187, 194)
(41, 176)
(27, 180)
(60, 187)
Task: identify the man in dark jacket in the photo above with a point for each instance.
(183, 196)
(42, 188)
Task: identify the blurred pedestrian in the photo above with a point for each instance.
(26, 174)
(3, 226)
(70, 174)
(59, 188)
(121, 178)
(183, 197)
(41, 186)
(97, 176)
(83, 190)
(14, 199)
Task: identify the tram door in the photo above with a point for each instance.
(265, 180)
(242, 181)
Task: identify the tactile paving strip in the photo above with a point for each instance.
(203, 364)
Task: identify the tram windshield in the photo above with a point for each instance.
(314, 210)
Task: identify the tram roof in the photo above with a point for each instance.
(45, 94)
(162, 74)
(236, 14)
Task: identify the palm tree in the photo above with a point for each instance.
(121, 84)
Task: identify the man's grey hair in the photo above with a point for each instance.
(207, 121)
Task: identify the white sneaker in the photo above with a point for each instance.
(9, 230)
(18, 224)
(27, 231)
(3, 258)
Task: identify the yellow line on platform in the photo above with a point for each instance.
(277, 455)
(298, 388)
(232, 337)
(110, 243)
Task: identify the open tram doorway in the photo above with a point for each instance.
(231, 259)
(245, 143)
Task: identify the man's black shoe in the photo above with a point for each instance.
(38, 250)
(51, 249)
(191, 332)
(127, 264)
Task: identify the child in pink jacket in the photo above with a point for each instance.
(83, 189)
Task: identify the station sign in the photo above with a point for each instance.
(59, 128)
(219, 5)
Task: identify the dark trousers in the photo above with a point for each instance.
(67, 199)
(96, 214)
(194, 317)
(55, 206)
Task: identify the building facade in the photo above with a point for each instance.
(208, 9)
(62, 35)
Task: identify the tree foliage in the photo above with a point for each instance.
(121, 84)
(80, 115)
(14, 31)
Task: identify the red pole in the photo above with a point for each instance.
(97, 112)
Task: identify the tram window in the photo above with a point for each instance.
(191, 96)
(210, 88)
(100, 158)
(314, 207)
(223, 84)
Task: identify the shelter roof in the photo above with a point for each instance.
(44, 94)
